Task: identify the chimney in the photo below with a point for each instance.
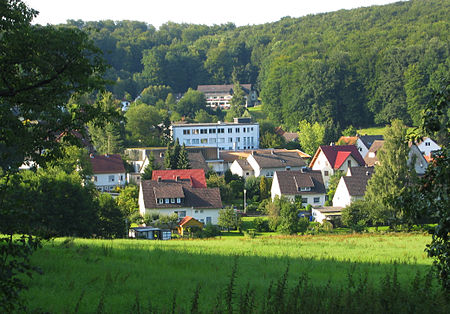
(272, 151)
(177, 178)
(367, 173)
(159, 179)
(161, 154)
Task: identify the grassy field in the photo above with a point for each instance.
(78, 273)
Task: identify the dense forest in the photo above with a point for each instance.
(357, 67)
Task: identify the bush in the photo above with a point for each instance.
(261, 224)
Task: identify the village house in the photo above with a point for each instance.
(196, 177)
(352, 186)
(180, 197)
(221, 95)
(331, 158)
(427, 146)
(305, 184)
(322, 214)
(420, 163)
(362, 142)
(108, 172)
(266, 163)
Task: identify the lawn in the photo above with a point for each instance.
(81, 274)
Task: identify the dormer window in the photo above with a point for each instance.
(304, 189)
(160, 200)
(166, 200)
(178, 200)
(172, 201)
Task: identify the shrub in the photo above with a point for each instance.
(261, 224)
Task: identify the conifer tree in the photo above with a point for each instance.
(168, 157)
(183, 161)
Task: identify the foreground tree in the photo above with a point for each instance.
(391, 179)
(41, 67)
(229, 219)
(435, 184)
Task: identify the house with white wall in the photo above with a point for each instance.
(108, 172)
(414, 155)
(305, 184)
(427, 146)
(240, 135)
(331, 158)
(179, 197)
(352, 186)
(221, 95)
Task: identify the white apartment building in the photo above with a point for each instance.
(239, 135)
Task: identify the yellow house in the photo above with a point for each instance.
(188, 222)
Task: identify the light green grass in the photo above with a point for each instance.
(378, 130)
(121, 269)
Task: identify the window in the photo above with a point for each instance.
(427, 144)
(95, 178)
(172, 201)
(230, 130)
(201, 210)
(196, 211)
(251, 129)
(243, 130)
(222, 140)
(305, 189)
(204, 140)
(221, 130)
(166, 200)
(238, 139)
(304, 200)
(325, 173)
(230, 140)
(288, 168)
(203, 131)
(208, 220)
(186, 132)
(212, 140)
(188, 141)
(212, 131)
(247, 173)
(316, 199)
(111, 178)
(178, 200)
(349, 164)
(121, 177)
(195, 131)
(237, 130)
(195, 141)
(181, 214)
(160, 200)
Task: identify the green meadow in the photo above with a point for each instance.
(81, 275)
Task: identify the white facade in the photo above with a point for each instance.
(420, 163)
(362, 149)
(427, 146)
(225, 136)
(342, 197)
(327, 170)
(207, 215)
(106, 182)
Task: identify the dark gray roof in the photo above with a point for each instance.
(193, 197)
(357, 182)
(369, 139)
(244, 164)
(279, 160)
(291, 181)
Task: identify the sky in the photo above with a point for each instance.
(209, 12)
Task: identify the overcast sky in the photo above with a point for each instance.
(157, 12)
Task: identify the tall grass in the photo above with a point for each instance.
(193, 275)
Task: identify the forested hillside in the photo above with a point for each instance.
(351, 67)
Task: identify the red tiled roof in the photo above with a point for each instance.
(340, 158)
(107, 164)
(331, 153)
(197, 176)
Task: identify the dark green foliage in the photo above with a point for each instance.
(111, 220)
(434, 190)
(333, 183)
(355, 216)
(261, 225)
(15, 262)
(183, 161)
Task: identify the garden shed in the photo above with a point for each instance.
(150, 233)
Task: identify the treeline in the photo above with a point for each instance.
(351, 67)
